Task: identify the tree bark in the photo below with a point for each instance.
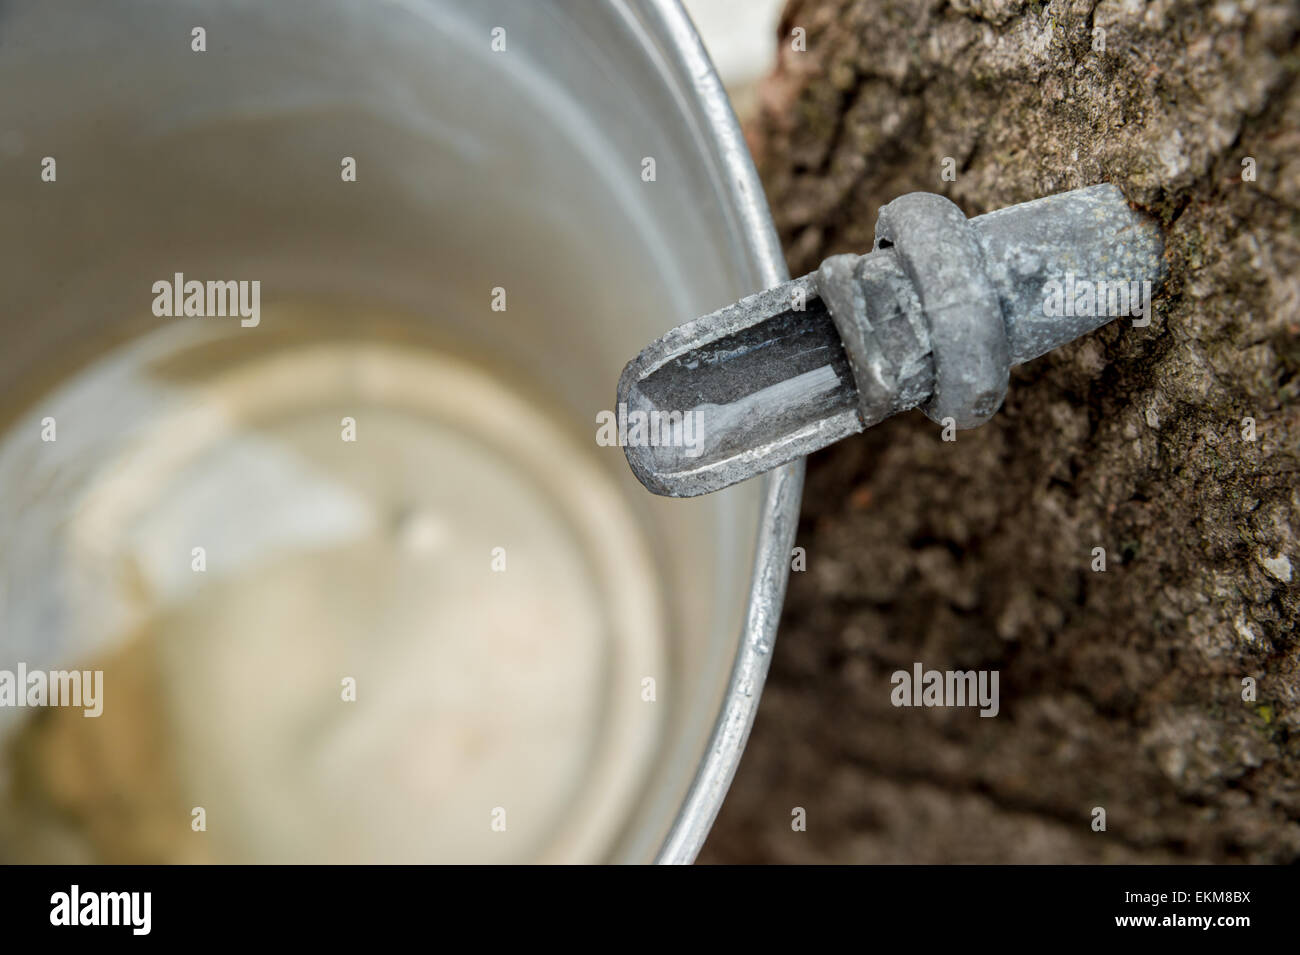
(1125, 689)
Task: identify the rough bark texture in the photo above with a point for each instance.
(1120, 689)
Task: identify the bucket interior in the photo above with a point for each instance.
(460, 631)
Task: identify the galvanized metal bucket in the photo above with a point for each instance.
(496, 145)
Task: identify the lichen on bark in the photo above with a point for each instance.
(1120, 689)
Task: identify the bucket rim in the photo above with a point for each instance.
(670, 28)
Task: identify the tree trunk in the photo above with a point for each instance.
(1173, 447)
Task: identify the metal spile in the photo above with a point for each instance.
(933, 317)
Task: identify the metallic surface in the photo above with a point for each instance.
(939, 250)
(783, 487)
(935, 316)
(478, 168)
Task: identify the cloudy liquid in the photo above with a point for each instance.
(354, 598)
